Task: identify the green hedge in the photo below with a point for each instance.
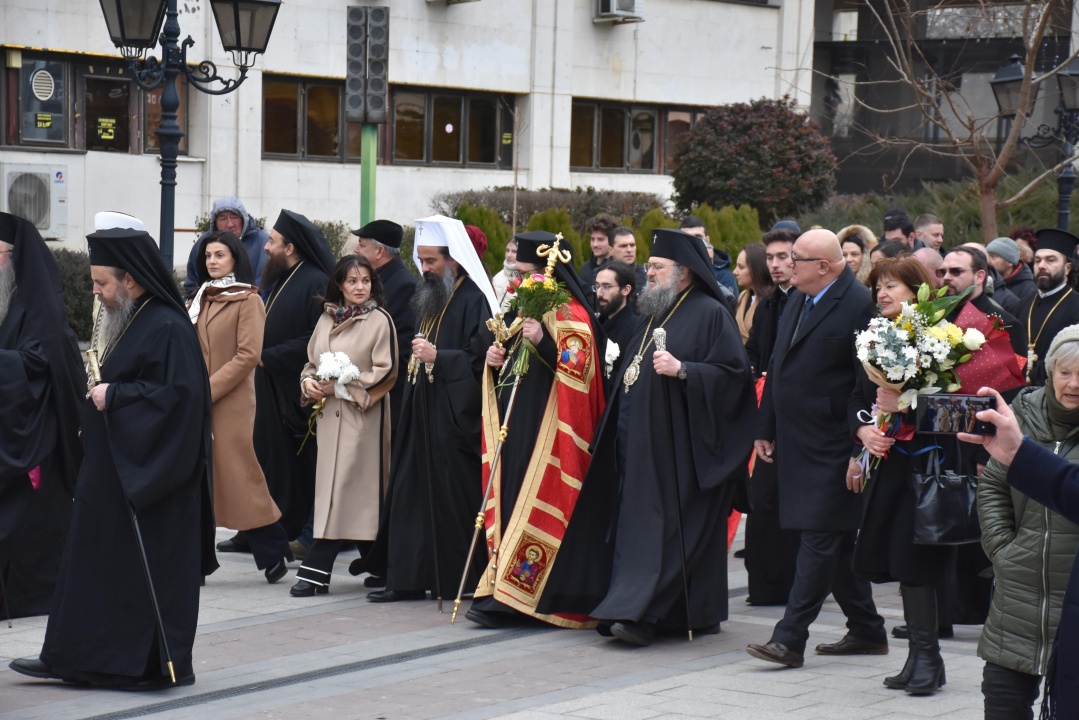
(78, 290)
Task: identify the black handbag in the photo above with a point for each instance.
(945, 503)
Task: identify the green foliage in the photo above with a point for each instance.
(956, 203)
(408, 239)
(652, 220)
(580, 204)
(338, 235)
(78, 290)
(764, 153)
(558, 221)
(730, 229)
(497, 232)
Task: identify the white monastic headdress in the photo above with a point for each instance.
(113, 220)
(442, 231)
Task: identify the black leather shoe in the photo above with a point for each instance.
(385, 596)
(33, 667)
(776, 652)
(237, 544)
(374, 582)
(158, 683)
(944, 632)
(276, 572)
(634, 633)
(492, 619)
(850, 645)
(306, 589)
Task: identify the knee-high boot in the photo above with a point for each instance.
(927, 669)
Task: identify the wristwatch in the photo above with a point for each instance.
(682, 371)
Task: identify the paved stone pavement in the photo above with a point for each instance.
(261, 654)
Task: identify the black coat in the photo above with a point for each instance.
(398, 287)
(762, 336)
(806, 405)
(1022, 284)
(1054, 482)
(1044, 318)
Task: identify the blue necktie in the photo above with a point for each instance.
(805, 313)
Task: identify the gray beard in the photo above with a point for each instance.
(114, 322)
(431, 295)
(655, 301)
(7, 290)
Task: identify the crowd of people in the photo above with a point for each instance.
(315, 406)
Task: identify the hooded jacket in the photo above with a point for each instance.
(1032, 550)
(254, 239)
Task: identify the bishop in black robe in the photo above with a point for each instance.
(431, 515)
(293, 307)
(41, 391)
(146, 441)
(668, 454)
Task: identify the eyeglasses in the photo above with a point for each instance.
(656, 267)
(603, 286)
(795, 258)
(954, 272)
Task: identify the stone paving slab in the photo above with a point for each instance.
(260, 654)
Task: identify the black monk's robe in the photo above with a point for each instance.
(398, 287)
(689, 456)
(150, 450)
(33, 520)
(292, 310)
(1043, 318)
(448, 412)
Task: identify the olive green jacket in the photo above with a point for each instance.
(1032, 549)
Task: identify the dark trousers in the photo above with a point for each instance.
(1009, 694)
(269, 544)
(318, 565)
(825, 566)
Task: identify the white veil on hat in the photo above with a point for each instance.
(442, 231)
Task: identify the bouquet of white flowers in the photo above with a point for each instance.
(336, 366)
(611, 355)
(914, 354)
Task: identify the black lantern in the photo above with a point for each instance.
(1007, 85)
(133, 24)
(245, 25)
(1068, 80)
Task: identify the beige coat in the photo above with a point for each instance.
(230, 329)
(354, 435)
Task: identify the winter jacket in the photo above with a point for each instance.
(1022, 283)
(1032, 550)
(721, 268)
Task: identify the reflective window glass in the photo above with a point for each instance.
(322, 130)
(582, 130)
(409, 118)
(280, 111)
(612, 138)
(43, 102)
(446, 129)
(108, 114)
(483, 140)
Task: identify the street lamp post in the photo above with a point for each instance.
(134, 25)
(1006, 85)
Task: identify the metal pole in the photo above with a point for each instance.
(368, 163)
(169, 133)
(1065, 185)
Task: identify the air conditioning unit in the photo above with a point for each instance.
(37, 193)
(619, 11)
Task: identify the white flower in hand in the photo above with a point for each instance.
(973, 339)
(613, 353)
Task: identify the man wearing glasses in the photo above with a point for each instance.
(965, 268)
(615, 286)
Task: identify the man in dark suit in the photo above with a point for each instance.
(804, 427)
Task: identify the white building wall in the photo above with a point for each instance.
(545, 52)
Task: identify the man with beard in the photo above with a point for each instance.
(143, 498)
(294, 278)
(673, 443)
(805, 428)
(41, 391)
(1056, 304)
(434, 493)
(537, 481)
(615, 285)
(771, 551)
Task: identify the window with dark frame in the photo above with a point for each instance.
(438, 127)
(304, 119)
(611, 137)
(152, 116)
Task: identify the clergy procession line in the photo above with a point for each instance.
(571, 447)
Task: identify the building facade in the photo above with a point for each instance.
(474, 87)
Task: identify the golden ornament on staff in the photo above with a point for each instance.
(93, 364)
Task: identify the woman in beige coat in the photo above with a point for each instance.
(229, 317)
(354, 424)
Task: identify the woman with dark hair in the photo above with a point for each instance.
(886, 551)
(858, 242)
(751, 273)
(229, 317)
(354, 424)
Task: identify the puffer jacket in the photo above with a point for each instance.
(1032, 549)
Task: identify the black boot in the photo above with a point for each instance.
(899, 682)
(920, 610)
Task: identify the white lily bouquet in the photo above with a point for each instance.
(612, 354)
(336, 366)
(914, 354)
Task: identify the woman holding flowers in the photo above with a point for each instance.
(352, 365)
(886, 551)
(229, 317)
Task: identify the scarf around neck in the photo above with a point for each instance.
(1062, 421)
(195, 307)
(341, 313)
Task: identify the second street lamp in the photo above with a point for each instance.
(244, 27)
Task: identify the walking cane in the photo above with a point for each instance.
(430, 486)
(153, 593)
(3, 596)
(659, 335)
(502, 431)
